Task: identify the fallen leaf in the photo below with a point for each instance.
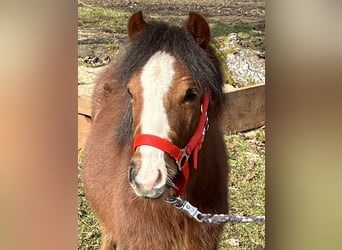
(250, 176)
(234, 242)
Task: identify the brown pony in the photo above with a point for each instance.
(156, 88)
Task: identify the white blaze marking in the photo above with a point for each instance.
(156, 79)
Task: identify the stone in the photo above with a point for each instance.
(86, 90)
(245, 65)
(88, 75)
(86, 79)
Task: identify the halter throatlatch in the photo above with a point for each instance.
(181, 156)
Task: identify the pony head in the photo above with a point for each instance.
(174, 69)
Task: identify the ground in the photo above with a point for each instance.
(244, 17)
(233, 10)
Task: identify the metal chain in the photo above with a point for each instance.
(193, 212)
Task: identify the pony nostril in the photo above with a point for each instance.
(131, 174)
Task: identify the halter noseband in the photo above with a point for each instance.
(181, 156)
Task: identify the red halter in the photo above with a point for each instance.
(181, 156)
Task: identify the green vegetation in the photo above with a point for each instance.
(225, 28)
(116, 20)
(219, 45)
(250, 34)
(103, 18)
(85, 64)
(89, 234)
(113, 47)
(246, 189)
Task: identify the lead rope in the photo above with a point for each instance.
(193, 212)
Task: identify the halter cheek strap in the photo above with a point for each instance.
(181, 156)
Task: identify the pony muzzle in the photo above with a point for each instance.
(147, 181)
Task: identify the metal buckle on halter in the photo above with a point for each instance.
(185, 157)
(185, 206)
(176, 201)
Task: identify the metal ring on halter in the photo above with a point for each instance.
(185, 157)
(176, 201)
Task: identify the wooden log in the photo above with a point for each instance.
(84, 106)
(83, 119)
(84, 125)
(244, 110)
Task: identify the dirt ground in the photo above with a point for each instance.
(236, 10)
(94, 41)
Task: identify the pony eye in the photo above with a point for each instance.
(190, 95)
(129, 93)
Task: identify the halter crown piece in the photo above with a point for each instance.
(181, 156)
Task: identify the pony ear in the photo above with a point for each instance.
(199, 29)
(136, 23)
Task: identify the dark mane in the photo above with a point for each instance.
(203, 65)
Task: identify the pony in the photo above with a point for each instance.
(155, 132)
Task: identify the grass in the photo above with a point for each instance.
(116, 20)
(247, 195)
(103, 18)
(246, 188)
(245, 30)
(89, 234)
